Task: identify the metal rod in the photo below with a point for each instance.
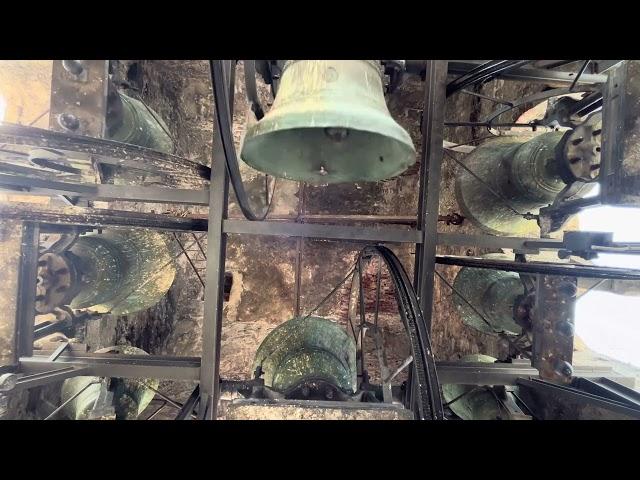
(58, 352)
(157, 411)
(35, 120)
(204, 254)
(27, 279)
(474, 140)
(76, 395)
(429, 195)
(163, 396)
(334, 290)
(43, 378)
(486, 185)
(545, 268)
(490, 124)
(595, 285)
(96, 218)
(404, 365)
(122, 366)
(378, 284)
(327, 232)
(462, 297)
(189, 405)
(579, 74)
(106, 192)
(352, 307)
(463, 394)
(298, 276)
(299, 247)
(214, 289)
(189, 258)
(363, 313)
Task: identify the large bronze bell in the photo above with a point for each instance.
(302, 350)
(329, 123)
(512, 176)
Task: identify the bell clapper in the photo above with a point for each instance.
(336, 134)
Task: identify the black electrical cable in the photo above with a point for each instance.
(479, 70)
(484, 73)
(252, 88)
(428, 388)
(223, 116)
(467, 78)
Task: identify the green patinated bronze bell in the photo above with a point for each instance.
(527, 173)
(131, 121)
(307, 349)
(117, 271)
(494, 293)
(130, 396)
(329, 123)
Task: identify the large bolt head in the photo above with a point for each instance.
(563, 368)
(8, 382)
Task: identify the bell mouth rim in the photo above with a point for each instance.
(297, 120)
(366, 171)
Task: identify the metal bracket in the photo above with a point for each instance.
(553, 327)
(79, 97)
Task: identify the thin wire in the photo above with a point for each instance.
(407, 361)
(595, 285)
(490, 124)
(163, 396)
(353, 330)
(488, 187)
(378, 282)
(479, 387)
(273, 192)
(160, 394)
(38, 117)
(363, 313)
(580, 72)
(501, 405)
(156, 412)
(175, 237)
(335, 289)
(204, 254)
(525, 405)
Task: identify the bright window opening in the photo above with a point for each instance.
(609, 324)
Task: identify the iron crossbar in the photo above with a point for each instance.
(188, 368)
